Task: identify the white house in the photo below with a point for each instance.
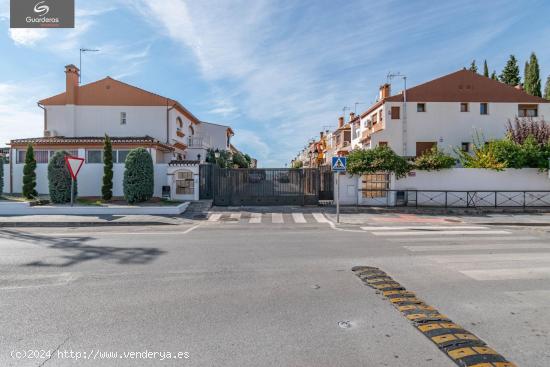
(77, 120)
(448, 112)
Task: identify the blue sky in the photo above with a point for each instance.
(276, 71)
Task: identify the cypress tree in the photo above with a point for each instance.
(473, 66)
(485, 69)
(532, 77)
(2, 161)
(510, 73)
(547, 88)
(494, 75)
(29, 174)
(526, 77)
(107, 188)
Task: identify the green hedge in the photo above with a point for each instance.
(59, 179)
(29, 175)
(434, 160)
(138, 181)
(379, 159)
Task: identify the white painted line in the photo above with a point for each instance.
(461, 239)
(320, 218)
(153, 233)
(277, 218)
(436, 233)
(389, 228)
(509, 274)
(490, 259)
(236, 216)
(214, 217)
(255, 218)
(481, 246)
(298, 218)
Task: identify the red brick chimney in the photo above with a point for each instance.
(340, 121)
(384, 91)
(71, 83)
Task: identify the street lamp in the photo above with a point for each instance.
(217, 153)
(80, 65)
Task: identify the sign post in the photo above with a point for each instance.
(338, 165)
(73, 164)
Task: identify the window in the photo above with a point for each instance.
(374, 119)
(527, 110)
(184, 183)
(41, 156)
(121, 155)
(191, 130)
(420, 107)
(464, 107)
(123, 118)
(483, 108)
(465, 146)
(381, 116)
(424, 146)
(21, 156)
(395, 111)
(94, 156)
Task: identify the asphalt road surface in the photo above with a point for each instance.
(274, 291)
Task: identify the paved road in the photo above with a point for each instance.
(236, 293)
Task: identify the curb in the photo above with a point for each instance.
(82, 224)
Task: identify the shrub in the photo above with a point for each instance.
(297, 164)
(521, 129)
(107, 188)
(434, 160)
(382, 158)
(223, 161)
(240, 160)
(59, 179)
(29, 174)
(138, 176)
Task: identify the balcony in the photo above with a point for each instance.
(200, 142)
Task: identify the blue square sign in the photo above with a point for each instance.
(339, 164)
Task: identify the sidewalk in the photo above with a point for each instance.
(89, 220)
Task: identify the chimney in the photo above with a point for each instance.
(71, 83)
(340, 121)
(321, 134)
(519, 87)
(384, 91)
(351, 116)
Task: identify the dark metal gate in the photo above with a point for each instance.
(326, 183)
(205, 181)
(269, 186)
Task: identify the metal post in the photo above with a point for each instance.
(72, 191)
(337, 197)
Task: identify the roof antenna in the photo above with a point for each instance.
(80, 65)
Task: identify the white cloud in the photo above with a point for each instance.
(27, 36)
(21, 117)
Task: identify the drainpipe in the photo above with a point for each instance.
(168, 109)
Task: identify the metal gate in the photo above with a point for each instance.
(269, 186)
(326, 183)
(205, 181)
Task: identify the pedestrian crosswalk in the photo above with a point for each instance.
(479, 253)
(268, 218)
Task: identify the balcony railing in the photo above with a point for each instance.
(199, 142)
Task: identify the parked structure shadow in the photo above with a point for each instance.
(78, 251)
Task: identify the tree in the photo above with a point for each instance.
(547, 88)
(510, 73)
(223, 160)
(29, 174)
(240, 160)
(139, 182)
(473, 66)
(532, 76)
(59, 179)
(434, 160)
(485, 69)
(2, 161)
(494, 75)
(107, 188)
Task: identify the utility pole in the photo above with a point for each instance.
(389, 77)
(80, 65)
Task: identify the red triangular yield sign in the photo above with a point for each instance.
(74, 164)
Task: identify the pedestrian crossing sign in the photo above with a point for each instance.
(339, 164)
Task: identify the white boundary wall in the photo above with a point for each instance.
(456, 179)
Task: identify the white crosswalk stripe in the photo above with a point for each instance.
(255, 218)
(214, 217)
(236, 216)
(439, 233)
(479, 246)
(320, 218)
(277, 218)
(458, 239)
(509, 274)
(298, 218)
(430, 228)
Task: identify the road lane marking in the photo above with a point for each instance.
(435, 233)
(255, 218)
(490, 258)
(277, 218)
(298, 218)
(320, 218)
(214, 217)
(236, 216)
(509, 274)
(480, 246)
(421, 228)
(460, 239)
